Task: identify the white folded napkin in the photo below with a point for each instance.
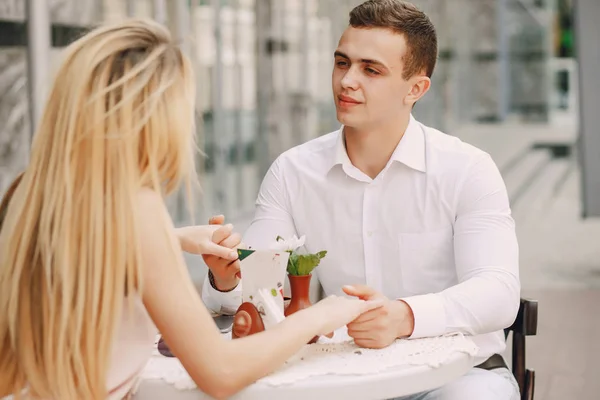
(263, 272)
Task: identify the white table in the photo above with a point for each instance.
(394, 382)
(387, 385)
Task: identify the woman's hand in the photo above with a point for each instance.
(333, 312)
(226, 273)
(205, 240)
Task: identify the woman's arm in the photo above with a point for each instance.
(219, 367)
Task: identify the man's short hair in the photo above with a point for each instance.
(404, 18)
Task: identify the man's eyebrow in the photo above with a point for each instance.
(338, 53)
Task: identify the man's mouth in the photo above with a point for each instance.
(347, 101)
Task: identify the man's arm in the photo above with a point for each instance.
(486, 257)
(221, 289)
(272, 218)
(220, 302)
(487, 262)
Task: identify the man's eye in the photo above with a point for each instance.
(341, 63)
(372, 71)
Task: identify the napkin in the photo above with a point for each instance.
(263, 272)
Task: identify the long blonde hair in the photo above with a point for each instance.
(119, 118)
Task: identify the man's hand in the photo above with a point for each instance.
(379, 328)
(225, 271)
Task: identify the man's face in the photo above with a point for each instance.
(368, 86)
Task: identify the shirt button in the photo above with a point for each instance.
(370, 233)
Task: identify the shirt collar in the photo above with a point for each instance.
(410, 151)
(341, 155)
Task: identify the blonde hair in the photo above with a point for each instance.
(118, 118)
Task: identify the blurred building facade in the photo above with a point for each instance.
(263, 71)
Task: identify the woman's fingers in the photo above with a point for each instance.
(222, 233)
(219, 251)
(232, 241)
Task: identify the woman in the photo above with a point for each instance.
(89, 260)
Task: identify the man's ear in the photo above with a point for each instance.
(420, 86)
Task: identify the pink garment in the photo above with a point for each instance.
(133, 346)
(134, 342)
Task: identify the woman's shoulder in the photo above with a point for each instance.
(151, 210)
(148, 199)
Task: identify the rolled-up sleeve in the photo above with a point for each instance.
(225, 303)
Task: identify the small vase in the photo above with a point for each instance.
(300, 299)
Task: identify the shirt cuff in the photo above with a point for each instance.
(429, 313)
(225, 303)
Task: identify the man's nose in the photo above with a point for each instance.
(349, 80)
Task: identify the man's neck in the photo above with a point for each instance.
(370, 149)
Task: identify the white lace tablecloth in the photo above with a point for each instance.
(339, 356)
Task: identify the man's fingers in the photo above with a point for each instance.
(367, 317)
(366, 326)
(359, 335)
(226, 271)
(222, 233)
(234, 267)
(222, 264)
(371, 305)
(368, 343)
(363, 292)
(217, 220)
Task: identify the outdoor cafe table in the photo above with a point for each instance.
(333, 369)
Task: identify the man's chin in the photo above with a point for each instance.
(347, 119)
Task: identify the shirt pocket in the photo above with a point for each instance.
(427, 261)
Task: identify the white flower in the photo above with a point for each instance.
(290, 244)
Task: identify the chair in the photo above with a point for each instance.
(525, 325)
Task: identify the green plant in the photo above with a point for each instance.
(299, 264)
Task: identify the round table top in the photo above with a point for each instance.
(384, 385)
(393, 382)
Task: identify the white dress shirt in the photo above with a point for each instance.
(434, 228)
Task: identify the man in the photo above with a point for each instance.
(406, 213)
